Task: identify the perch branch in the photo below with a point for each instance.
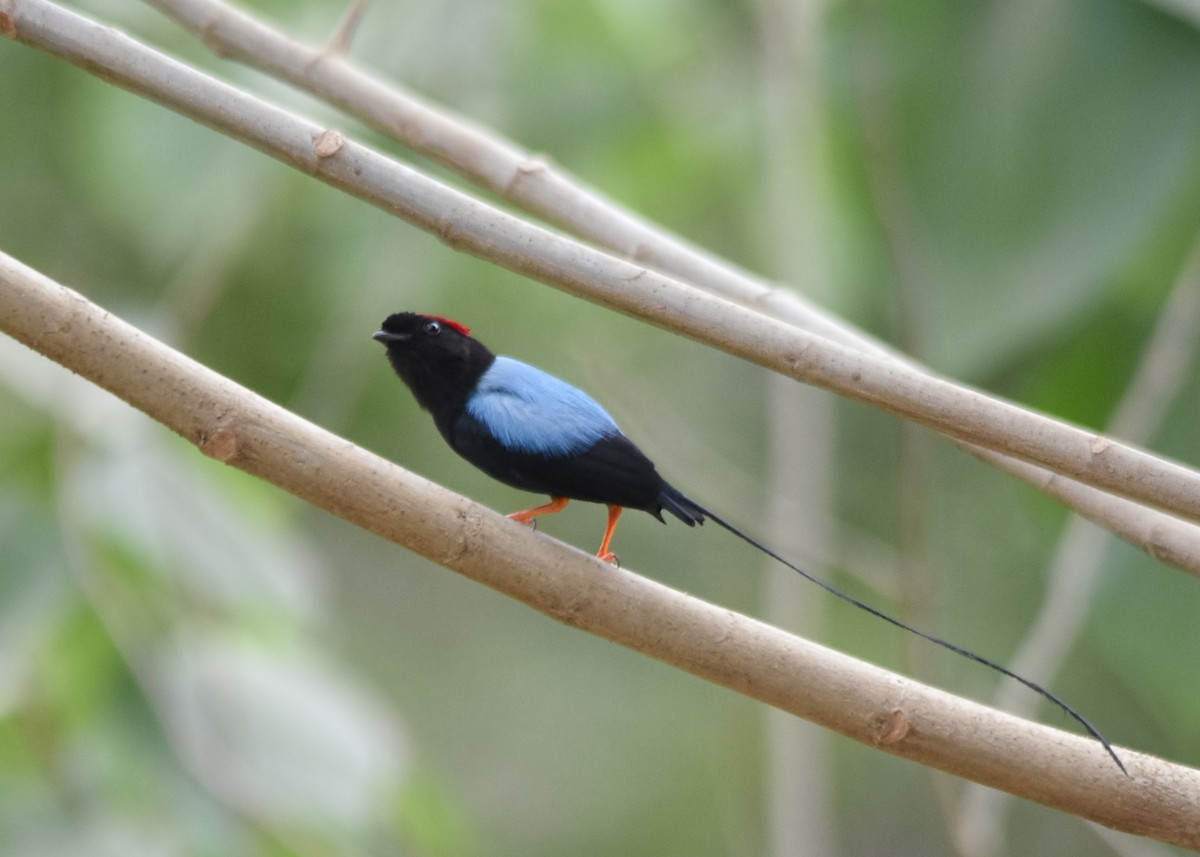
(545, 190)
(489, 233)
(881, 709)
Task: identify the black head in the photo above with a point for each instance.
(435, 357)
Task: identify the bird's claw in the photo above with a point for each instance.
(610, 557)
(520, 519)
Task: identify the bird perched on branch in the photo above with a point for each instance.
(525, 427)
(533, 431)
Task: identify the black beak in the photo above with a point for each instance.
(390, 338)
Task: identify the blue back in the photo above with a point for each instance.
(528, 410)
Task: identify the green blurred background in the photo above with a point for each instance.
(194, 663)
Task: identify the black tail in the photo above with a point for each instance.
(693, 513)
(683, 508)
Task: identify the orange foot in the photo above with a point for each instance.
(614, 515)
(556, 504)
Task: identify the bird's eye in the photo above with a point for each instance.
(432, 328)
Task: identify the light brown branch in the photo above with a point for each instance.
(870, 705)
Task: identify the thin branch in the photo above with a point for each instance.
(466, 224)
(1187, 11)
(339, 43)
(240, 428)
(539, 187)
(800, 425)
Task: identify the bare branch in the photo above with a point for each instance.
(469, 225)
(870, 705)
(799, 772)
(539, 187)
(339, 43)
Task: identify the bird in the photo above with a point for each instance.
(535, 432)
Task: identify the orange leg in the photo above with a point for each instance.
(556, 504)
(614, 515)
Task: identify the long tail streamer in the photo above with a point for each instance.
(937, 641)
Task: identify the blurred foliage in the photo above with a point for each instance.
(192, 663)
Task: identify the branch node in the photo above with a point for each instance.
(328, 143)
(533, 165)
(221, 444)
(895, 729)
